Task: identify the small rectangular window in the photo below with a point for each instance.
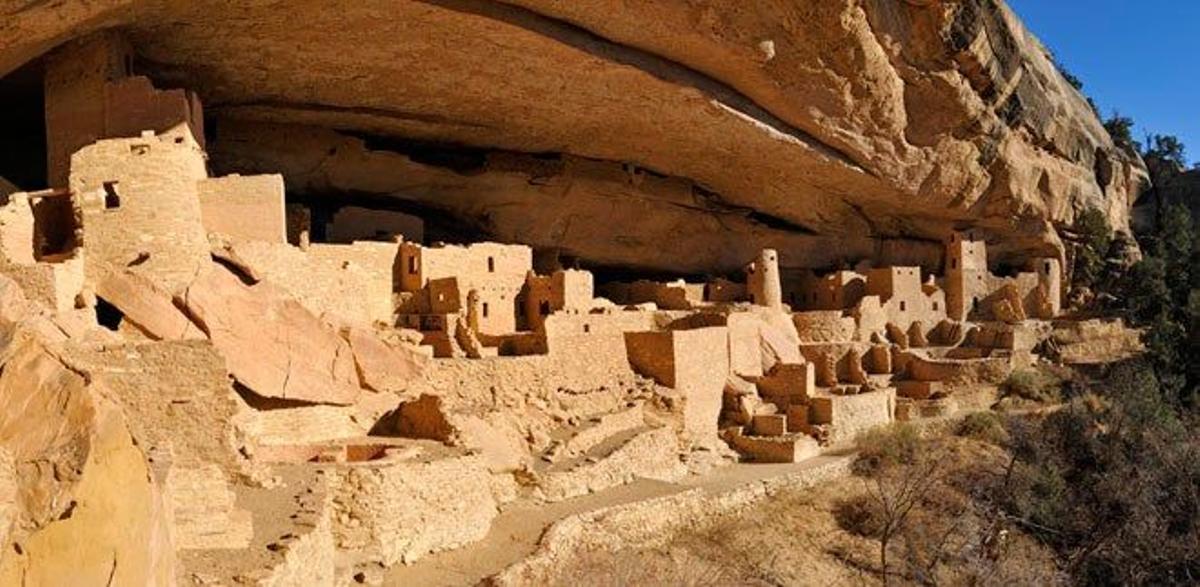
(412, 265)
(485, 310)
(903, 307)
(491, 264)
(111, 198)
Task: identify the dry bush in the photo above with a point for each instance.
(642, 567)
(921, 507)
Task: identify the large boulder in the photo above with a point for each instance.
(385, 363)
(272, 344)
(146, 305)
(77, 496)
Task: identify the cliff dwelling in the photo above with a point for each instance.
(311, 330)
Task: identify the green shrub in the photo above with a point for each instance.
(1035, 385)
(1090, 258)
(887, 446)
(983, 426)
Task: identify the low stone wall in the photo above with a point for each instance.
(399, 511)
(850, 415)
(824, 326)
(958, 372)
(651, 523)
(1096, 341)
(652, 455)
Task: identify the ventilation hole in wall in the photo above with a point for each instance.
(108, 315)
(587, 328)
(178, 140)
(111, 198)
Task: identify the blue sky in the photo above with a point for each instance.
(1140, 57)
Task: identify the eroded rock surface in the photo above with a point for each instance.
(271, 343)
(783, 124)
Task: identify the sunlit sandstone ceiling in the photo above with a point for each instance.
(675, 135)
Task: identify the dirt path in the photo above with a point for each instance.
(515, 533)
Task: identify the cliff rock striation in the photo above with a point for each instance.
(880, 124)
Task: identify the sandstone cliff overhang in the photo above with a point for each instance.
(708, 131)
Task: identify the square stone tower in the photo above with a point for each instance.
(966, 274)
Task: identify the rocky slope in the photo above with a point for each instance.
(665, 135)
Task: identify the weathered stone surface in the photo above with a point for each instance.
(1006, 305)
(867, 119)
(182, 411)
(88, 512)
(405, 509)
(146, 305)
(652, 454)
(272, 345)
(384, 366)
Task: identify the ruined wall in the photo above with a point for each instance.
(183, 412)
(671, 295)
(496, 271)
(247, 208)
(836, 291)
(352, 282)
(693, 362)
(903, 298)
(139, 206)
(407, 509)
(90, 95)
(824, 326)
(593, 344)
(17, 241)
(52, 280)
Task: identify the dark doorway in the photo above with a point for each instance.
(23, 128)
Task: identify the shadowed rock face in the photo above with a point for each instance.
(661, 135)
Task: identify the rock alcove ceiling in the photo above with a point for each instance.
(668, 136)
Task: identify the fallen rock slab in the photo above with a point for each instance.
(272, 344)
(147, 306)
(382, 366)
